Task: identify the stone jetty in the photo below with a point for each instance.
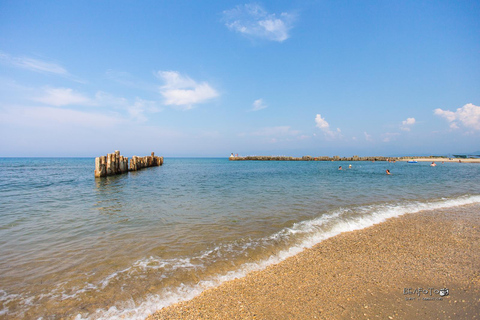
(310, 158)
(114, 163)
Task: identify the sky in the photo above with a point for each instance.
(211, 78)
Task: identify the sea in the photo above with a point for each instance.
(122, 247)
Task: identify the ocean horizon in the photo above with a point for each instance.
(123, 246)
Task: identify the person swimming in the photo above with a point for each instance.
(433, 164)
(387, 172)
(340, 168)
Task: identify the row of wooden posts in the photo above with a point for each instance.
(114, 163)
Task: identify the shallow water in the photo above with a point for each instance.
(124, 246)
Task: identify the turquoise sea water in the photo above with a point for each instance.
(121, 247)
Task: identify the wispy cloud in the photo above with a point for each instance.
(32, 64)
(184, 92)
(37, 65)
(407, 124)
(258, 105)
(105, 99)
(368, 137)
(138, 109)
(389, 136)
(325, 127)
(45, 116)
(62, 97)
(254, 21)
(131, 81)
(468, 116)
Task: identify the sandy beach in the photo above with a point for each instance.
(374, 273)
(440, 160)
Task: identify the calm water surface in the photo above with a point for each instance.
(121, 247)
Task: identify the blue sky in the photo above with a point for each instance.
(208, 78)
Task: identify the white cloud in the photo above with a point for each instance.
(368, 137)
(32, 64)
(252, 20)
(62, 97)
(406, 124)
(454, 125)
(258, 105)
(66, 96)
(104, 99)
(449, 115)
(183, 91)
(325, 127)
(138, 109)
(47, 116)
(468, 116)
(321, 122)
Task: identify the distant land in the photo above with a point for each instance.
(458, 158)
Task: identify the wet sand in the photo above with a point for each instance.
(372, 273)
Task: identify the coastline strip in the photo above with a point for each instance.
(354, 158)
(361, 274)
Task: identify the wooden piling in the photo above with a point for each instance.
(100, 167)
(114, 163)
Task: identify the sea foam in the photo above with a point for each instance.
(317, 230)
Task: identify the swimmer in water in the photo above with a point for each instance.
(388, 171)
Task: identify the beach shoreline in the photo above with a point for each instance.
(440, 160)
(374, 272)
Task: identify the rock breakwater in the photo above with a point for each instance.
(310, 158)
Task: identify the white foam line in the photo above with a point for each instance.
(4, 311)
(106, 281)
(377, 215)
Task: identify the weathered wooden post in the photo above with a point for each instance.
(117, 161)
(109, 164)
(100, 167)
(133, 163)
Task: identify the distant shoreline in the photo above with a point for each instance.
(469, 160)
(354, 158)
